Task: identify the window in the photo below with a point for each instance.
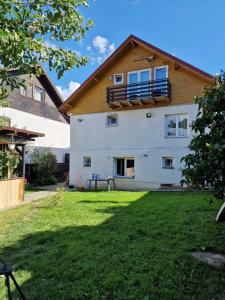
(161, 72)
(134, 79)
(139, 76)
(118, 78)
(160, 85)
(87, 161)
(176, 125)
(112, 120)
(124, 167)
(23, 91)
(167, 162)
(39, 94)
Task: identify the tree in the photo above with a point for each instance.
(45, 164)
(205, 164)
(24, 28)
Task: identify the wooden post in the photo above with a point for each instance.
(23, 161)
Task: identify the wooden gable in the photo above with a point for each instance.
(185, 82)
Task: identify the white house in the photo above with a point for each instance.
(131, 118)
(36, 109)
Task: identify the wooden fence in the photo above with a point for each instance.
(11, 192)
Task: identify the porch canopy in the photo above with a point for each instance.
(19, 137)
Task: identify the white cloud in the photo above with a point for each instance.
(112, 48)
(88, 48)
(102, 49)
(67, 91)
(100, 43)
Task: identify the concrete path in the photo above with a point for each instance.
(37, 195)
(51, 187)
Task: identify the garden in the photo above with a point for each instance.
(118, 245)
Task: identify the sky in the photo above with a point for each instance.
(193, 30)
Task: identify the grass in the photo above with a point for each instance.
(118, 245)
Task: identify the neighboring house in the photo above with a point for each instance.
(132, 117)
(35, 108)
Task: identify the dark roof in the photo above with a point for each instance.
(131, 39)
(53, 92)
(49, 86)
(34, 107)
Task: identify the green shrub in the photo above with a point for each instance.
(57, 199)
(8, 164)
(44, 166)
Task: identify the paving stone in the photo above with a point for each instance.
(37, 195)
(213, 259)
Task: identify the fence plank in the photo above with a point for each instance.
(11, 192)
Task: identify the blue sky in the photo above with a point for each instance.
(193, 30)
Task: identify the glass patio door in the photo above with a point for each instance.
(137, 77)
(160, 85)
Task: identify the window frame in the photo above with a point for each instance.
(125, 168)
(139, 72)
(161, 67)
(87, 158)
(114, 78)
(23, 89)
(43, 90)
(164, 165)
(177, 127)
(107, 120)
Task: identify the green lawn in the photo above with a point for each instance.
(118, 245)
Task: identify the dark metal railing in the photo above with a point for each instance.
(139, 91)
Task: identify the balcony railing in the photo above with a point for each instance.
(138, 93)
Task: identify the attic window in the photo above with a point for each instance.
(23, 91)
(118, 78)
(39, 94)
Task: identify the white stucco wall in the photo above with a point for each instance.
(136, 136)
(57, 134)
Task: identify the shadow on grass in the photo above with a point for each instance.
(106, 201)
(141, 252)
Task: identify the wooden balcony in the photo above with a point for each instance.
(136, 94)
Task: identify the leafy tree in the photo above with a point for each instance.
(205, 164)
(24, 28)
(44, 166)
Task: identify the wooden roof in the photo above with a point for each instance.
(18, 133)
(131, 41)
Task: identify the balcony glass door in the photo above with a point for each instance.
(160, 86)
(137, 90)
